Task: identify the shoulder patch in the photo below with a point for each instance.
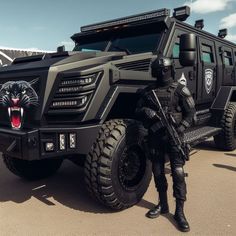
(185, 91)
(182, 80)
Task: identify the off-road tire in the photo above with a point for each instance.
(117, 149)
(32, 170)
(226, 139)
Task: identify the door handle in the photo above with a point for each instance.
(233, 74)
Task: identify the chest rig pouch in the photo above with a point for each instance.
(169, 100)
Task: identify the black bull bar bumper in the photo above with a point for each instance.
(30, 144)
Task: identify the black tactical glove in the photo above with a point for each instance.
(150, 114)
(156, 127)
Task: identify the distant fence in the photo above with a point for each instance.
(8, 55)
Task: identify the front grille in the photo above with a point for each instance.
(141, 65)
(74, 93)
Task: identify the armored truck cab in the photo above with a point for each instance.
(81, 105)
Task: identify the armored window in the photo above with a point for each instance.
(136, 43)
(175, 52)
(228, 60)
(91, 46)
(207, 54)
(131, 40)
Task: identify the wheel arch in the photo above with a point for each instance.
(226, 139)
(120, 102)
(225, 95)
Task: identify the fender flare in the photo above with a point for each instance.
(225, 95)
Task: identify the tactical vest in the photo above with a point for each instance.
(169, 100)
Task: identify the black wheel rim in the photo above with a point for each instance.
(132, 166)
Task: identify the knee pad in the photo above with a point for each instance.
(178, 173)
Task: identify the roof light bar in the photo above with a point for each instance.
(147, 16)
(222, 33)
(181, 13)
(199, 24)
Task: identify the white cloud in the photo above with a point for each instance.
(231, 38)
(228, 21)
(204, 6)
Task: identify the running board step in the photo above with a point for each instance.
(199, 135)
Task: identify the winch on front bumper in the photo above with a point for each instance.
(43, 143)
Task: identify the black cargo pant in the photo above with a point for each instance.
(159, 147)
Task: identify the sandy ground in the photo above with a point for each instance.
(60, 205)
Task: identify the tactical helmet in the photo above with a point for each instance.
(162, 70)
(164, 62)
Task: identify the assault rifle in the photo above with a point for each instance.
(168, 123)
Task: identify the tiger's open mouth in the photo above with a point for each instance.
(16, 116)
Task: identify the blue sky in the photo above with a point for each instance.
(45, 24)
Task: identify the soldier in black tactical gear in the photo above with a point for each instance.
(176, 100)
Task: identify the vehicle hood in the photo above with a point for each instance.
(27, 84)
(44, 61)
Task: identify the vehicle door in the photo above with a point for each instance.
(207, 72)
(234, 70)
(228, 65)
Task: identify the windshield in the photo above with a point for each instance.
(93, 46)
(135, 44)
(131, 41)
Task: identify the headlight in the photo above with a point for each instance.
(74, 92)
(83, 80)
(79, 102)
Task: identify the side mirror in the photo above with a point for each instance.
(187, 56)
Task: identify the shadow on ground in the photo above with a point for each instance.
(232, 168)
(230, 154)
(66, 187)
(207, 145)
(148, 205)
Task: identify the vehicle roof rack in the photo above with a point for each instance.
(125, 21)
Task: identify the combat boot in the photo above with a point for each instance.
(179, 217)
(161, 208)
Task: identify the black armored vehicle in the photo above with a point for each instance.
(80, 105)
